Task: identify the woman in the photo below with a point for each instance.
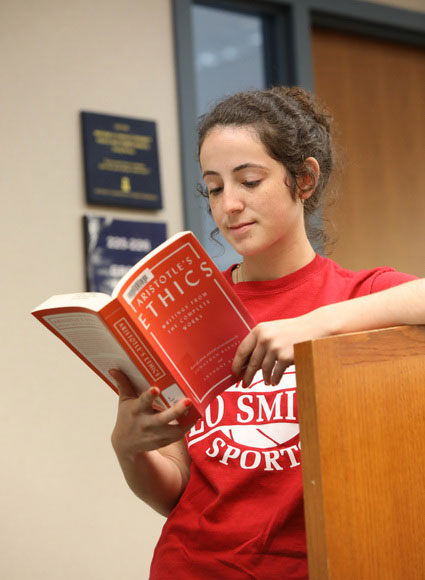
(231, 486)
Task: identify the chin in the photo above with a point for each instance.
(247, 249)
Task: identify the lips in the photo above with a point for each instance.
(240, 228)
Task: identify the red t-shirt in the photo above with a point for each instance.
(241, 515)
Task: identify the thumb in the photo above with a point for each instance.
(125, 387)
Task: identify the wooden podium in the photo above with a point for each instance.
(361, 400)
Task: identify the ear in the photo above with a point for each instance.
(307, 183)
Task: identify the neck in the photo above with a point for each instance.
(274, 263)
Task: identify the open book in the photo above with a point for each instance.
(173, 321)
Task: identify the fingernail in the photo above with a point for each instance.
(155, 391)
(187, 403)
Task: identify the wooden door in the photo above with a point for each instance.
(376, 91)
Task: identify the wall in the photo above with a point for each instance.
(417, 5)
(65, 509)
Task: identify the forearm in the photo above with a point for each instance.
(270, 345)
(156, 477)
(404, 304)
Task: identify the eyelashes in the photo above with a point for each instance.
(214, 191)
(247, 184)
(251, 184)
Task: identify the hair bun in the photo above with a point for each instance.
(308, 103)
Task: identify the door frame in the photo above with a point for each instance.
(293, 22)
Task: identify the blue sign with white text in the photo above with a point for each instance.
(113, 246)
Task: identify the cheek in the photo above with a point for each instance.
(214, 209)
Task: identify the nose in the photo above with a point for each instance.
(232, 200)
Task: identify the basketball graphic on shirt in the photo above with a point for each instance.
(261, 437)
(265, 416)
(268, 434)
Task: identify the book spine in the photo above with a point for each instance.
(149, 362)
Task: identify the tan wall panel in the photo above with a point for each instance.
(66, 512)
(418, 5)
(376, 91)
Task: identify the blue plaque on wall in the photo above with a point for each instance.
(121, 161)
(113, 246)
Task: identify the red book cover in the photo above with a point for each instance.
(173, 321)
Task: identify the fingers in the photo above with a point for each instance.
(146, 399)
(254, 364)
(160, 428)
(125, 388)
(267, 367)
(267, 347)
(279, 368)
(243, 353)
(146, 405)
(273, 368)
(174, 413)
(140, 427)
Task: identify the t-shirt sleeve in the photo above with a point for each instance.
(388, 279)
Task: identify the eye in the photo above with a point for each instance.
(250, 184)
(214, 190)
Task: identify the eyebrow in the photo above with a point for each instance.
(236, 169)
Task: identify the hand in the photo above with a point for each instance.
(139, 428)
(270, 347)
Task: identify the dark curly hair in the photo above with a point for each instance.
(292, 126)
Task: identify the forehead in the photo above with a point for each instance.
(231, 143)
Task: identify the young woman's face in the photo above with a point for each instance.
(249, 199)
